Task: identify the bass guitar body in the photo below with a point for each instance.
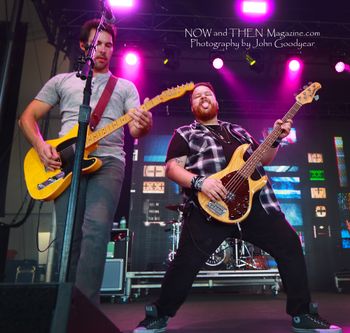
(236, 177)
(237, 204)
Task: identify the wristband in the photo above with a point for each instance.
(276, 143)
(197, 182)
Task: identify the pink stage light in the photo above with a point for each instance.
(254, 7)
(339, 66)
(294, 65)
(254, 10)
(131, 58)
(218, 63)
(121, 3)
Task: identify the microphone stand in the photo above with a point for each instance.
(85, 72)
(65, 288)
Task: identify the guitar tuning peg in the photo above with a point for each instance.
(309, 83)
(304, 87)
(317, 97)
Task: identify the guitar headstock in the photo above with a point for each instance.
(308, 94)
(176, 92)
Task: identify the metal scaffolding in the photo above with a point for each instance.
(156, 27)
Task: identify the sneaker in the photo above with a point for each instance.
(312, 322)
(152, 323)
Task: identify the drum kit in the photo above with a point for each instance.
(231, 254)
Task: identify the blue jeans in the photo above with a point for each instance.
(98, 199)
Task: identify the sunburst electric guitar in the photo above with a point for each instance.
(236, 177)
(48, 185)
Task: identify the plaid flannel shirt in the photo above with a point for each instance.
(207, 157)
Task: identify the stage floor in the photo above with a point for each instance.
(217, 311)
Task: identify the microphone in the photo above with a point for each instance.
(107, 13)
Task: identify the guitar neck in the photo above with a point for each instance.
(96, 136)
(250, 165)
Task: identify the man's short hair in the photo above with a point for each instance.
(206, 84)
(93, 24)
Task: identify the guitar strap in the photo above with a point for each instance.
(102, 102)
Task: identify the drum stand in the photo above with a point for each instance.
(175, 234)
(242, 254)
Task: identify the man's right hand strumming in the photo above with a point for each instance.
(48, 156)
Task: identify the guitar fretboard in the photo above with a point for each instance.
(94, 137)
(249, 167)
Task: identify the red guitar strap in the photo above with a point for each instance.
(102, 102)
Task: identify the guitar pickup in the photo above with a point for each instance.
(230, 196)
(216, 208)
(51, 180)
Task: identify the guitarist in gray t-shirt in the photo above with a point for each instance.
(99, 191)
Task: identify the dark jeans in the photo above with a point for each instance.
(200, 238)
(97, 202)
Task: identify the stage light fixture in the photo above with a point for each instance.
(340, 60)
(218, 63)
(121, 3)
(339, 66)
(254, 7)
(294, 64)
(251, 61)
(254, 10)
(255, 60)
(131, 58)
(216, 59)
(171, 57)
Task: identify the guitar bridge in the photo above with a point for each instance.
(216, 208)
(50, 180)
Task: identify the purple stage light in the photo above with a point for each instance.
(121, 3)
(339, 66)
(294, 65)
(254, 11)
(254, 7)
(131, 58)
(218, 63)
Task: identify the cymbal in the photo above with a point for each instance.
(176, 208)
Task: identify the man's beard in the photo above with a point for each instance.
(205, 114)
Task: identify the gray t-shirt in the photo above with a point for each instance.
(66, 90)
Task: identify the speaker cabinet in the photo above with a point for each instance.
(49, 308)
